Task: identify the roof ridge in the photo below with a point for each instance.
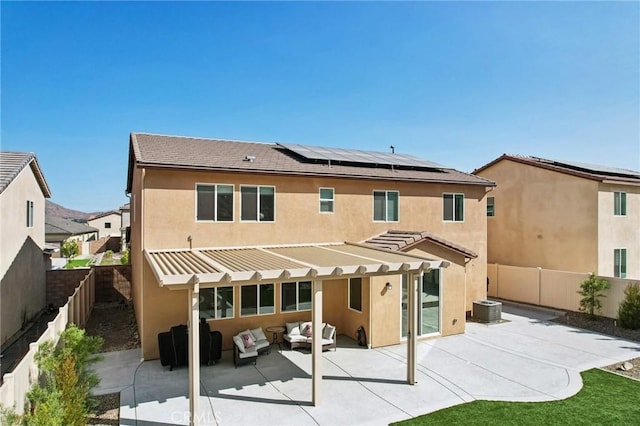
(205, 139)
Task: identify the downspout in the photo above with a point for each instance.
(370, 310)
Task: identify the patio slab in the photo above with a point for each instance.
(527, 358)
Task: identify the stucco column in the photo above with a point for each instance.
(316, 345)
(194, 350)
(412, 328)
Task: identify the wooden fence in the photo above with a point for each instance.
(554, 289)
(77, 310)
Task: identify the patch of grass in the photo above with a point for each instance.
(605, 398)
(77, 263)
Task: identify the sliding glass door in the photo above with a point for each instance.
(427, 304)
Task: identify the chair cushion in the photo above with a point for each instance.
(258, 334)
(239, 343)
(327, 342)
(248, 354)
(261, 344)
(296, 338)
(293, 328)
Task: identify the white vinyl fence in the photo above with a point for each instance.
(16, 384)
(554, 289)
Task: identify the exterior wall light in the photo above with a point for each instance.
(388, 286)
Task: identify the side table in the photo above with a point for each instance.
(275, 330)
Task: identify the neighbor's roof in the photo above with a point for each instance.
(98, 216)
(58, 225)
(234, 265)
(583, 170)
(12, 163)
(179, 152)
(403, 240)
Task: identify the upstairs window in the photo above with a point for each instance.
(29, 214)
(385, 206)
(296, 296)
(620, 203)
(258, 203)
(620, 263)
(326, 200)
(453, 207)
(214, 203)
(107, 225)
(491, 206)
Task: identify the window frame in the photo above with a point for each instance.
(386, 206)
(30, 213)
(215, 300)
(215, 205)
(258, 205)
(332, 200)
(491, 213)
(349, 295)
(258, 313)
(619, 203)
(297, 286)
(455, 196)
(620, 269)
(107, 225)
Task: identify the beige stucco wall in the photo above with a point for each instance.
(100, 224)
(542, 218)
(22, 264)
(166, 212)
(618, 231)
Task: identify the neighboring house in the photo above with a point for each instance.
(23, 190)
(108, 224)
(58, 230)
(563, 215)
(246, 227)
(125, 226)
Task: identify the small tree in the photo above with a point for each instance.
(629, 310)
(70, 250)
(591, 291)
(125, 257)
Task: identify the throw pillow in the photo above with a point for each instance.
(248, 340)
(308, 331)
(239, 343)
(328, 332)
(258, 334)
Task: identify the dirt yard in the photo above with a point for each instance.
(116, 324)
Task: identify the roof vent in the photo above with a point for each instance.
(249, 158)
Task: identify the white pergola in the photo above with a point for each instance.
(194, 269)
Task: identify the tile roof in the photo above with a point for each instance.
(402, 240)
(58, 225)
(149, 150)
(100, 215)
(12, 163)
(583, 170)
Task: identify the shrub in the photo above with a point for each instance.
(62, 396)
(125, 257)
(591, 291)
(629, 310)
(70, 249)
(108, 253)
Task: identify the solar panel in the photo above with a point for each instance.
(359, 156)
(598, 168)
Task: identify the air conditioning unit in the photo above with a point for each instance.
(487, 311)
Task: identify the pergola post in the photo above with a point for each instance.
(412, 328)
(316, 345)
(194, 351)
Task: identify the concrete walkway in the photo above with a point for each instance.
(525, 359)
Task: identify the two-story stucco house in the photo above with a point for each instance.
(23, 190)
(253, 226)
(108, 224)
(563, 215)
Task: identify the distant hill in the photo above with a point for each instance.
(56, 210)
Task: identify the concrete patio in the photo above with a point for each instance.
(527, 358)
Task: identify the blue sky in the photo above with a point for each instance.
(453, 82)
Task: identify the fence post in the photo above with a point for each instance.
(8, 380)
(539, 285)
(70, 309)
(33, 368)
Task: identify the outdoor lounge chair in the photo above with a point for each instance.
(298, 335)
(247, 345)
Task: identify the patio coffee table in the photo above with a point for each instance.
(275, 330)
